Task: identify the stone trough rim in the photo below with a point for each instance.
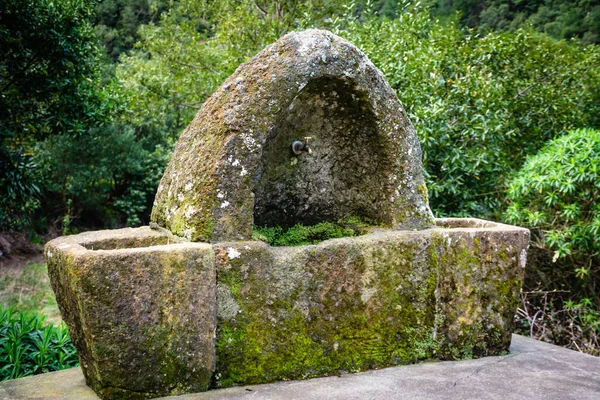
(76, 244)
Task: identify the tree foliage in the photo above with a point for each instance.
(117, 22)
(480, 104)
(196, 46)
(49, 85)
(47, 69)
(105, 179)
(562, 19)
(557, 193)
(69, 156)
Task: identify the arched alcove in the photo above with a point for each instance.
(233, 167)
(341, 177)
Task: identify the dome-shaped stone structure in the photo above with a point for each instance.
(233, 167)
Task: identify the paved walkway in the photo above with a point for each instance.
(533, 370)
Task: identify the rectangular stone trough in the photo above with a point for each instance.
(153, 316)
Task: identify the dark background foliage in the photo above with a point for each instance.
(561, 19)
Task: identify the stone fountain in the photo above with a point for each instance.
(307, 131)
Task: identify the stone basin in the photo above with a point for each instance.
(153, 315)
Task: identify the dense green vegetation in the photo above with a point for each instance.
(557, 194)
(117, 22)
(561, 19)
(29, 347)
(93, 95)
(49, 85)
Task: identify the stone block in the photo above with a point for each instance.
(141, 312)
(153, 312)
(386, 298)
(233, 166)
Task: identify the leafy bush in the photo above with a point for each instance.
(480, 104)
(182, 60)
(562, 19)
(299, 234)
(117, 22)
(28, 347)
(18, 189)
(50, 85)
(557, 194)
(105, 178)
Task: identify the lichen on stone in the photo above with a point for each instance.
(365, 159)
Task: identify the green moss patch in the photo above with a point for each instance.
(299, 234)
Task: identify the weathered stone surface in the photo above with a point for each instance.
(345, 304)
(143, 318)
(481, 266)
(533, 370)
(233, 166)
(67, 384)
(390, 297)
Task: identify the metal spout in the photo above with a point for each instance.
(299, 146)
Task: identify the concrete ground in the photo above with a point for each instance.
(532, 370)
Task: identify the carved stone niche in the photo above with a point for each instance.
(192, 303)
(233, 168)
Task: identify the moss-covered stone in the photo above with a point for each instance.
(341, 305)
(233, 165)
(480, 276)
(144, 305)
(302, 235)
(142, 319)
(371, 301)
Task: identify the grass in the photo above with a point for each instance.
(27, 289)
(33, 339)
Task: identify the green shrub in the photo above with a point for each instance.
(299, 234)
(18, 190)
(28, 347)
(557, 194)
(106, 178)
(50, 86)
